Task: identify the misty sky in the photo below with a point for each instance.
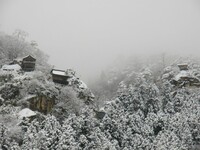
(87, 35)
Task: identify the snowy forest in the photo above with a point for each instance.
(137, 103)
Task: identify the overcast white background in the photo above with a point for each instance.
(87, 35)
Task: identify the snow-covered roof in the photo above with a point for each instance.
(30, 56)
(26, 112)
(68, 73)
(14, 67)
(183, 64)
(59, 72)
(183, 73)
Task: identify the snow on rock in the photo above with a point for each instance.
(70, 72)
(82, 85)
(166, 76)
(168, 69)
(26, 112)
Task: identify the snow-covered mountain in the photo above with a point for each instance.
(146, 105)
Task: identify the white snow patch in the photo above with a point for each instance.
(26, 112)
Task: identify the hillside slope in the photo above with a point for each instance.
(147, 112)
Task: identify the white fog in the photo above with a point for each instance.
(99, 75)
(89, 35)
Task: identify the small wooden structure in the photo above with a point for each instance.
(28, 63)
(59, 76)
(185, 78)
(183, 66)
(186, 82)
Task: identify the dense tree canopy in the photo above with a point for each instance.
(141, 109)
